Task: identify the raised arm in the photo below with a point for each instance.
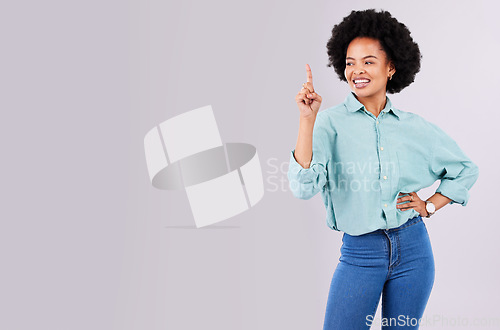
(307, 172)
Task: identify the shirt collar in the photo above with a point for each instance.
(352, 104)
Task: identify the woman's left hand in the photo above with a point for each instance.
(415, 203)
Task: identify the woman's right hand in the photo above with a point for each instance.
(307, 99)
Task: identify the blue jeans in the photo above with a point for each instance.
(396, 263)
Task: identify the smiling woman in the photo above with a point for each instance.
(394, 40)
(385, 249)
(367, 74)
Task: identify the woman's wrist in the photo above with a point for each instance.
(425, 213)
(439, 200)
(307, 121)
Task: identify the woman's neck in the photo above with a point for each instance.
(375, 104)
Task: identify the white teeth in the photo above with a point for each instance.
(361, 81)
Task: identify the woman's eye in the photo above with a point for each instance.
(348, 64)
(369, 62)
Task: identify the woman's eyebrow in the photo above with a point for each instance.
(351, 58)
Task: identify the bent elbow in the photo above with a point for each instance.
(474, 173)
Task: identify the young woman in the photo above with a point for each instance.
(369, 160)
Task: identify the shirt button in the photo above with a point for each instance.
(385, 205)
(377, 121)
(385, 178)
(381, 148)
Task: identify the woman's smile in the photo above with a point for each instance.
(361, 83)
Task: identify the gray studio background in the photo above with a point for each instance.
(86, 242)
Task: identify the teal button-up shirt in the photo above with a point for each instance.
(360, 163)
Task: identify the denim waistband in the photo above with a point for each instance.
(408, 223)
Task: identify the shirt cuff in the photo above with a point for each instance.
(300, 174)
(454, 191)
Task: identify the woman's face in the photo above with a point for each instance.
(367, 68)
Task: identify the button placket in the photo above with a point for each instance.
(383, 175)
(380, 157)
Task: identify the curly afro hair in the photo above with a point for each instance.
(394, 37)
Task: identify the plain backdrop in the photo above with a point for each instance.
(86, 242)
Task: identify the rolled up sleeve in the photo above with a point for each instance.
(452, 166)
(307, 182)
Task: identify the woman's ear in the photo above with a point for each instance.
(392, 68)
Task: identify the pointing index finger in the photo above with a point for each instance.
(309, 74)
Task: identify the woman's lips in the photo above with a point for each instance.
(361, 83)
